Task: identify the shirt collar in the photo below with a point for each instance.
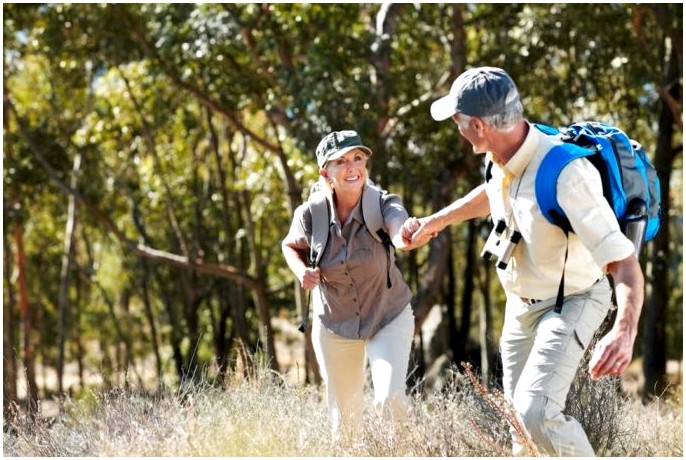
(522, 157)
(356, 213)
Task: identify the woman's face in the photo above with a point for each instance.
(349, 172)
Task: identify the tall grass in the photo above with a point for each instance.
(267, 416)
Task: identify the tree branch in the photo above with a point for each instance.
(140, 37)
(225, 271)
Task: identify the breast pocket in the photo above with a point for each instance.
(362, 253)
(367, 260)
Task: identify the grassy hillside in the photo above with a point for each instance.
(266, 416)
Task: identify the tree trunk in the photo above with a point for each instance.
(259, 292)
(150, 316)
(468, 290)
(79, 352)
(25, 307)
(9, 362)
(658, 272)
(241, 330)
(486, 329)
(67, 260)
(438, 251)
(455, 339)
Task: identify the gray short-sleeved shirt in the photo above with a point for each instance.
(353, 299)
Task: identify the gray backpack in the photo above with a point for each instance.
(372, 215)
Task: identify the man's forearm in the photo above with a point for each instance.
(629, 287)
(613, 352)
(474, 204)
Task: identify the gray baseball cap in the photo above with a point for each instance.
(336, 144)
(477, 92)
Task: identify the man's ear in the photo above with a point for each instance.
(478, 125)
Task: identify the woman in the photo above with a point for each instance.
(361, 305)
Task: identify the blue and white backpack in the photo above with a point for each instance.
(630, 182)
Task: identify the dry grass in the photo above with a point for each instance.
(266, 416)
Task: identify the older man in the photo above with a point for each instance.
(540, 346)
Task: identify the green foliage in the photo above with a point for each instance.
(196, 125)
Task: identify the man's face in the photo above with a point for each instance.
(471, 129)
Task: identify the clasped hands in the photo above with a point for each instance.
(415, 233)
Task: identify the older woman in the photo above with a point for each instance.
(361, 305)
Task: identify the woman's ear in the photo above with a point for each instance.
(324, 173)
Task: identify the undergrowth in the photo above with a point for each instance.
(266, 416)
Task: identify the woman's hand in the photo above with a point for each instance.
(310, 278)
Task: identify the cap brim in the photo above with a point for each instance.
(345, 150)
(443, 108)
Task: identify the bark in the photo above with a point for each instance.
(259, 293)
(150, 316)
(234, 310)
(9, 362)
(454, 339)
(67, 261)
(486, 329)
(658, 271)
(439, 247)
(80, 352)
(467, 292)
(9, 354)
(386, 25)
(25, 307)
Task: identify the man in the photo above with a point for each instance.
(540, 347)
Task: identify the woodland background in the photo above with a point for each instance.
(154, 154)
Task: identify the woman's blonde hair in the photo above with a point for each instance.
(326, 186)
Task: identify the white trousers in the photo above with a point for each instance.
(541, 351)
(342, 363)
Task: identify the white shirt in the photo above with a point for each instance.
(535, 268)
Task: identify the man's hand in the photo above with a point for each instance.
(612, 354)
(413, 233)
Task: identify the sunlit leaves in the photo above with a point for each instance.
(191, 118)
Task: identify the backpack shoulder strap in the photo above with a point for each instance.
(372, 215)
(546, 181)
(372, 202)
(319, 209)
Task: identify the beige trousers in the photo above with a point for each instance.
(541, 351)
(342, 363)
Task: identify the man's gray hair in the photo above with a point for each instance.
(500, 121)
(507, 119)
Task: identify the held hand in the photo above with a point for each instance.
(612, 355)
(409, 234)
(310, 278)
(422, 233)
(407, 230)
